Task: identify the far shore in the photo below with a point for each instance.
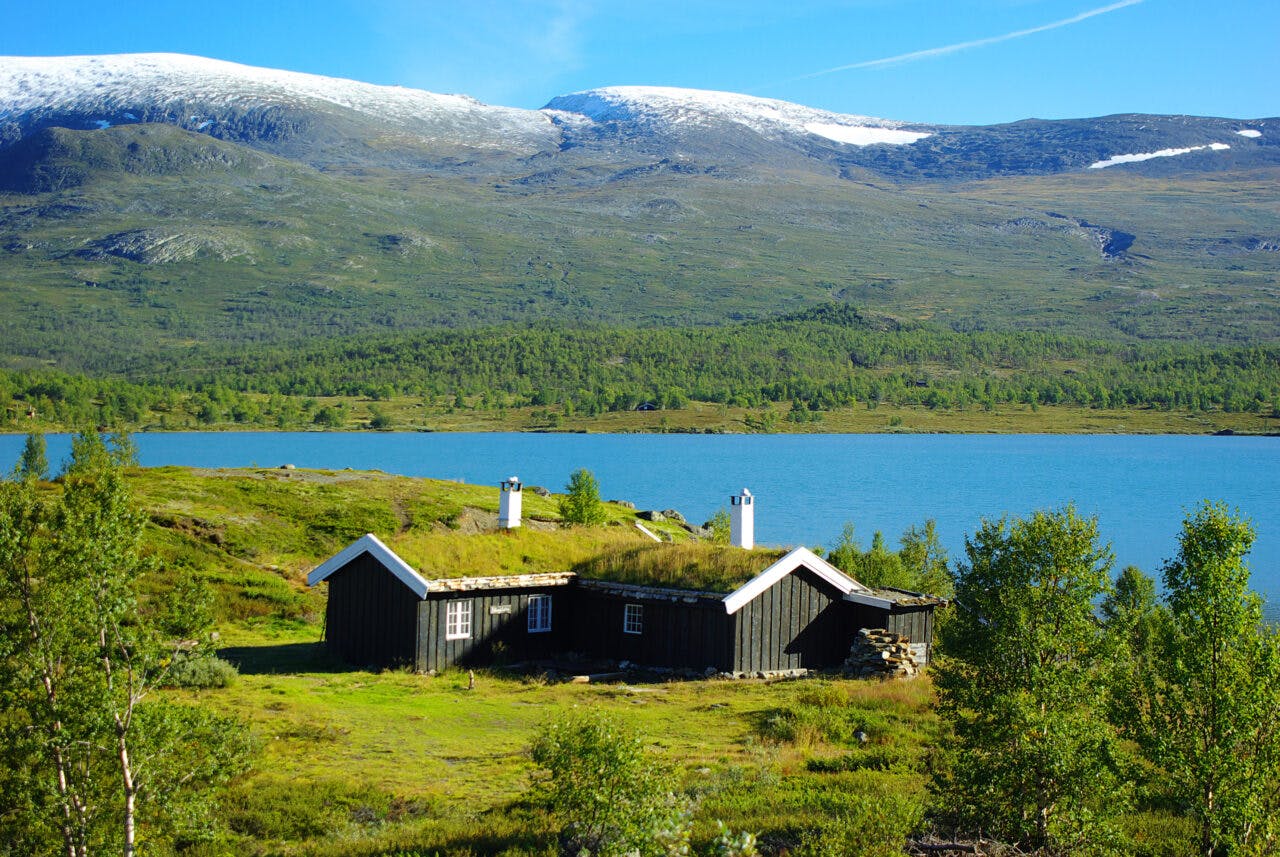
(408, 414)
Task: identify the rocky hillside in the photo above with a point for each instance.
(151, 202)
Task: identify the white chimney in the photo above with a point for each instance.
(509, 504)
(742, 520)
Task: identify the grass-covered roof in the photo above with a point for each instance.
(255, 533)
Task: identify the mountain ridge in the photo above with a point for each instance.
(128, 223)
(271, 109)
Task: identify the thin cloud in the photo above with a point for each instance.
(976, 43)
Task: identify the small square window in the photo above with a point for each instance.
(457, 620)
(539, 614)
(633, 619)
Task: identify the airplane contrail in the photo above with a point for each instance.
(976, 43)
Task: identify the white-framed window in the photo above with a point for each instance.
(457, 620)
(633, 619)
(539, 613)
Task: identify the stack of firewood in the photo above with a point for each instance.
(876, 651)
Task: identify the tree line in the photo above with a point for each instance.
(826, 358)
(829, 357)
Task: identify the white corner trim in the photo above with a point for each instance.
(372, 545)
(796, 559)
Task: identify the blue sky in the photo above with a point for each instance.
(959, 61)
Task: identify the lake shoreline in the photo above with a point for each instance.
(407, 415)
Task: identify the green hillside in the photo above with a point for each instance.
(148, 239)
(254, 534)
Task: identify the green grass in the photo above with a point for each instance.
(459, 759)
(358, 763)
(350, 762)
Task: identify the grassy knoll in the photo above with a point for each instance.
(253, 534)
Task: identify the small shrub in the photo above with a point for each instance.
(824, 696)
(868, 827)
(200, 671)
(871, 758)
(730, 844)
(610, 795)
(297, 811)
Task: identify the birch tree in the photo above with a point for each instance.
(1209, 709)
(1021, 681)
(84, 739)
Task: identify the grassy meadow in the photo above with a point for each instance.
(358, 763)
(396, 764)
(362, 763)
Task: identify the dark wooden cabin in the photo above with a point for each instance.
(799, 613)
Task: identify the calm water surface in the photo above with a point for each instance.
(808, 486)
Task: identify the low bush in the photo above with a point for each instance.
(868, 826)
(200, 671)
(297, 811)
(871, 758)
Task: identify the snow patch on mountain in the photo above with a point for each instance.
(674, 107)
(1249, 132)
(1146, 156)
(861, 135)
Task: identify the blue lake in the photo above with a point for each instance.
(808, 486)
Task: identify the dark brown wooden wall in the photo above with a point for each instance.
(915, 622)
(692, 634)
(510, 630)
(371, 618)
(800, 621)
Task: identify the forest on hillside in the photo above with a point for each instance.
(819, 360)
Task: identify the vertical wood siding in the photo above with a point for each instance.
(371, 617)
(501, 636)
(800, 621)
(682, 634)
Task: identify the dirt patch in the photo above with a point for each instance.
(472, 521)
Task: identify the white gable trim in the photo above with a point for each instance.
(796, 559)
(372, 545)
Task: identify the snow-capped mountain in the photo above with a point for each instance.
(234, 101)
(331, 121)
(669, 108)
(171, 195)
